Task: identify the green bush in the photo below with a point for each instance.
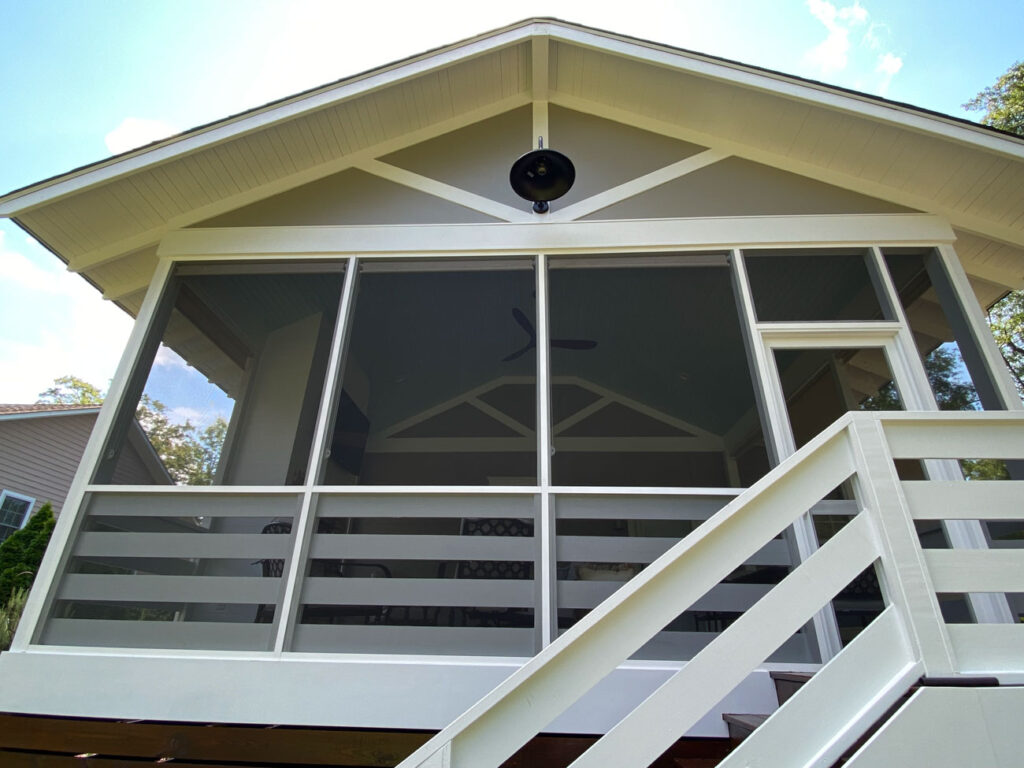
(22, 551)
(10, 615)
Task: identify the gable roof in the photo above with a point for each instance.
(106, 219)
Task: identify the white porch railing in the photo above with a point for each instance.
(908, 640)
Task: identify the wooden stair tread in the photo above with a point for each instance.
(746, 721)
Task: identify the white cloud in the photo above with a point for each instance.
(52, 323)
(168, 358)
(860, 66)
(888, 66)
(136, 132)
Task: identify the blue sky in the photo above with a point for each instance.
(82, 80)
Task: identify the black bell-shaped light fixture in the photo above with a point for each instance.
(542, 175)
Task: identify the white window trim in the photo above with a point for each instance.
(21, 497)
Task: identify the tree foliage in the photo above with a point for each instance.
(189, 453)
(1003, 102)
(22, 551)
(71, 390)
(1006, 319)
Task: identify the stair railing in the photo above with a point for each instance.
(909, 639)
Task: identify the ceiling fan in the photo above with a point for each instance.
(527, 326)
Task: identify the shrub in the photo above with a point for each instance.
(22, 551)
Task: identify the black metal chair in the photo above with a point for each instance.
(496, 569)
(273, 567)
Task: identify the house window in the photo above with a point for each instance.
(14, 511)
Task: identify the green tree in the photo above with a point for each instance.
(189, 454)
(71, 390)
(1003, 102)
(22, 551)
(1006, 319)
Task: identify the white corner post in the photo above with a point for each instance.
(57, 554)
(907, 366)
(802, 540)
(545, 527)
(286, 617)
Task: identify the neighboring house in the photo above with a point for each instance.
(551, 468)
(41, 446)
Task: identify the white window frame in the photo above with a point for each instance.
(4, 494)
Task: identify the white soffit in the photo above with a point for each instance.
(106, 219)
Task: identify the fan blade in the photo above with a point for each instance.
(524, 321)
(518, 353)
(573, 343)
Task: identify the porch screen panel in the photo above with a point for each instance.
(650, 381)
(439, 380)
(230, 379)
(791, 286)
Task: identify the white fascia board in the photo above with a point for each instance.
(791, 87)
(45, 192)
(48, 414)
(569, 237)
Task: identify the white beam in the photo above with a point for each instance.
(638, 185)
(563, 237)
(540, 74)
(444, 191)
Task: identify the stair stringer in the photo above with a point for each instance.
(838, 705)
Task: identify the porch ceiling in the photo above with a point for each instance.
(105, 220)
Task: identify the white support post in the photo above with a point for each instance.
(57, 553)
(779, 442)
(540, 75)
(545, 525)
(905, 579)
(980, 333)
(908, 368)
(303, 525)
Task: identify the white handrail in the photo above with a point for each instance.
(857, 446)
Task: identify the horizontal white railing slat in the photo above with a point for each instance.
(425, 547)
(168, 589)
(988, 648)
(640, 549)
(964, 435)
(722, 597)
(638, 508)
(679, 703)
(469, 593)
(206, 635)
(976, 570)
(371, 638)
(180, 505)
(958, 500)
(247, 546)
(376, 505)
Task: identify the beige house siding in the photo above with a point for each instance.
(39, 455)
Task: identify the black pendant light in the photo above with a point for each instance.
(542, 175)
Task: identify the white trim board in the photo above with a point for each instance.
(552, 237)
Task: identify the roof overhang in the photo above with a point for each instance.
(106, 220)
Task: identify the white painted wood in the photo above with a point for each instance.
(811, 335)
(571, 237)
(981, 336)
(989, 649)
(444, 191)
(530, 698)
(251, 546)
(229, 502)
(168, 589)
(671, 710)
(723, 597)
(991, 434)
(978, 570)
(410, 503)
(185, 635)
(637, 186)
(421, 547)
(957, 500)
(466, 593)
(539, 67)
(621, 549)
(949, 728)
(904, 576)
(681, 507)
(832, 709)
(438, 641)
(58, 551)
